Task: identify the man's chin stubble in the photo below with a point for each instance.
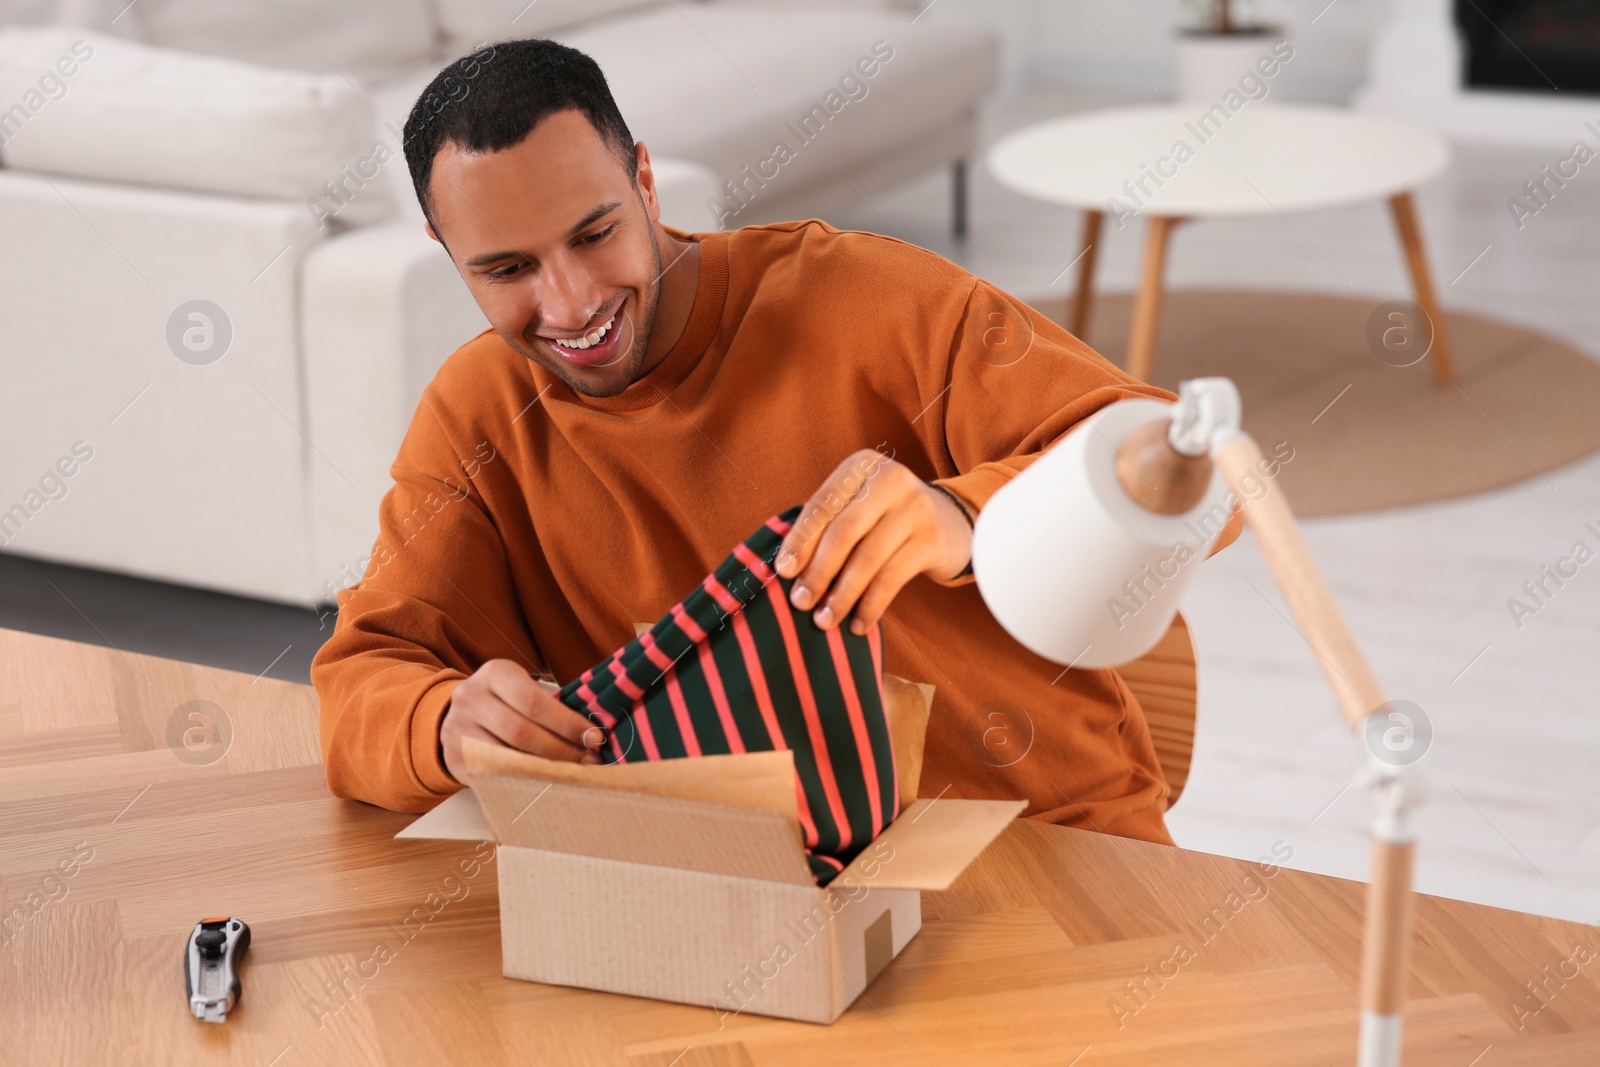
(635, 360)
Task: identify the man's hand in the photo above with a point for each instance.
(502, 703)
(871, 527)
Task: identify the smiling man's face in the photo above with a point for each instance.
(560, 249)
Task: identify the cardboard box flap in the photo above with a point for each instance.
(763, 780)
(653, 830)
(933, 842)
(457, 818)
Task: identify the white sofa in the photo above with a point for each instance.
(132, 189)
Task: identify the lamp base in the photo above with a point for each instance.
(1380, 1040)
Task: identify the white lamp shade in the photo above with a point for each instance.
(1071, 566)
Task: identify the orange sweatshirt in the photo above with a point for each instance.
(532, 523)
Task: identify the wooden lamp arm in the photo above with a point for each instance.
(1267, 514)
(1387, 937)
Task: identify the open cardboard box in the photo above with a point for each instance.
(686, 880)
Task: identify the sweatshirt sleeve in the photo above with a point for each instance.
(1014, 383)
(435, 602)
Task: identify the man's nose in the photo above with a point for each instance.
(568, 300)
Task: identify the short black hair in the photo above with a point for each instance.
(493, 97)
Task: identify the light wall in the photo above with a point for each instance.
(1125, 46)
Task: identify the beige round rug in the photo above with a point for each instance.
(1367, 434)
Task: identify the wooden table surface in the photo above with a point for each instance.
(118, 833)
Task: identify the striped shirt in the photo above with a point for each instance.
(733, 668)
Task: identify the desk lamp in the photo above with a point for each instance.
(1084, 556)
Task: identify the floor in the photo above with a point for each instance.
(135, 615)
(1511, 816)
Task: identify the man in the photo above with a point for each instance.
(645, 399)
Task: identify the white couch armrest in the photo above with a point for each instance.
(382, 308)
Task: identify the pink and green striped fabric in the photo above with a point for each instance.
(734, 668)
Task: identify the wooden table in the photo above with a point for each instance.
(1175, 163)
(1056, 947)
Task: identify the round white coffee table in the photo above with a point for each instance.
(1174, 163)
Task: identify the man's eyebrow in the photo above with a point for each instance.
(485, 258)
(594, 216)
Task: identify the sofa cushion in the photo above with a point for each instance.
(786, 93)
(746, 79)
(470, 22)
(358, 39)
(128, 112)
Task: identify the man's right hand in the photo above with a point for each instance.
(502, 703)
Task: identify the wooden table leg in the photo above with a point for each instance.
(1086, 258)
(1405, 221)
(1147, 302)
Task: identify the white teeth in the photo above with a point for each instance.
(593, 337)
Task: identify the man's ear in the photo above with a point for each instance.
(646, 180)
(428, 229)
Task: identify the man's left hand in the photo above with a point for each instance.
(869, 529)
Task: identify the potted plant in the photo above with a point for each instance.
(1219, 49)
